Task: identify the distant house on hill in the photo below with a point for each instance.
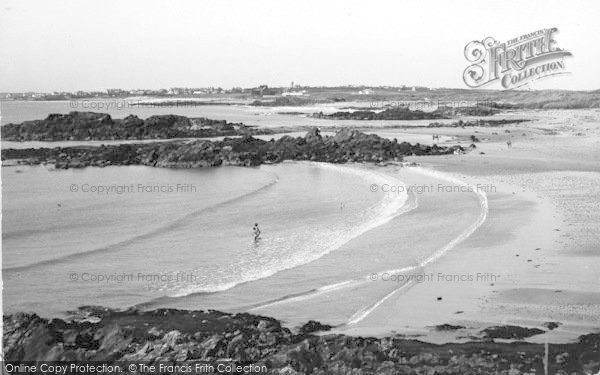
(366, 92)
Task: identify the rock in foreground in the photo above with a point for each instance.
(175, 336)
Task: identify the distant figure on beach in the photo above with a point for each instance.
(435, 138)
(256, 231)
(509, 143)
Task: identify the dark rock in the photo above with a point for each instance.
(133, 335)
(551, 325)
(99, 126)
(313, 136)
(346, 146)
(448, 327)
(511, 332)
(313, 326)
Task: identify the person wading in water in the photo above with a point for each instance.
(256, 232)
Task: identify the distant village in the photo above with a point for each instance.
(254, 92)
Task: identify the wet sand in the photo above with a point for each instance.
(541, 238)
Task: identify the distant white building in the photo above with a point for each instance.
(294, 93)
(366, 92)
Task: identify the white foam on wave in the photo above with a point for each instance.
(337, 286)
(315, 247)
(363, 313)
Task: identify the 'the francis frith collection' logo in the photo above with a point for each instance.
(516, 62)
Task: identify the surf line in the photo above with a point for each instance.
(391, 206)
(364, 312)
(407, 206)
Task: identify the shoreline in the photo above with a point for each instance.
(381, 323)
(533, 237)
(391, 312)
(463, 302)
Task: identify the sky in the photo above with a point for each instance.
(95, 45)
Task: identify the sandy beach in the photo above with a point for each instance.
(540, 238)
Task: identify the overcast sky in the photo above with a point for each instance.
(95, 45)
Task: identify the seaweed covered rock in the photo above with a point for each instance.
(175, 336)
(345, 146)
(85, 126)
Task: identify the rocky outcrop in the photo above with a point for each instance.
(346, 146)
(396, 113)
(511, 332)
(85, 126)
(477, 123)
(404, 113)
(175, 336)
(289, 101)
